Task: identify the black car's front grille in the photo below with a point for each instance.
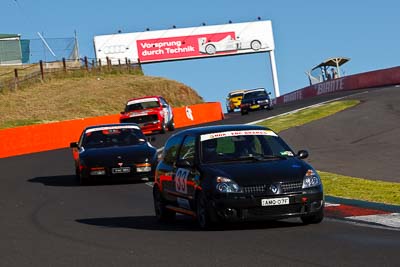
(291, 187)
(255, 189)
(142, 119)
(275, 210)
(285, 187)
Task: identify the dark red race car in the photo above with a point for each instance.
(151, 113)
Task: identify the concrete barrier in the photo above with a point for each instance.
(42, 137)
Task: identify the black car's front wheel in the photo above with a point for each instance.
(314, 218)
(202, 212)
(162, 213)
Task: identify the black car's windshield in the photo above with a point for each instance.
(256, 145)
(255, 94)
(142, 105)
(113, 137)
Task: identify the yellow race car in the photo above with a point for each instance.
(233, 100)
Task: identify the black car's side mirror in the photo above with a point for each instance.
(73, 145)
(183, 163)
(302, 154)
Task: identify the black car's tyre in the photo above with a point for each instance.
(202, 212)
(81, 180)
(243, 112)
(162, 213)
(313, 219)
(163, 128)
(171, 125)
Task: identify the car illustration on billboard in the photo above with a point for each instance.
(230, 43)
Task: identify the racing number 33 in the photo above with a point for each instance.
(180, 180)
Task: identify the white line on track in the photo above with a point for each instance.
(391, 219)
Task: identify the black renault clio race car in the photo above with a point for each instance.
(235, 173)
(113, 151)
(255, 99)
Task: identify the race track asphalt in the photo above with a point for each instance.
(361, 142)
(47, 219)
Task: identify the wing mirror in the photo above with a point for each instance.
(73, 145)
(302, 154)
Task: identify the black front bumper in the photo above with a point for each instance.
(134, 176)
(240, 208)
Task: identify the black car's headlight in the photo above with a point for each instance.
(311, 179)
(226, 185)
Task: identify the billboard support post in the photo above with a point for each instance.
(274, 73)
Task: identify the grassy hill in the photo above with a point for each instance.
(64, 98)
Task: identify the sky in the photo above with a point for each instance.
(305, 33)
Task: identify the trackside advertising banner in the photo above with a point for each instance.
(185, 43)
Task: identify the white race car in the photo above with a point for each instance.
(229, 44)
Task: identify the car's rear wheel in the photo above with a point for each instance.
(162, 213)
(163, 127)
(80, 179)
(314, 218)
(171, 125)
(255, 45)
(243, 112)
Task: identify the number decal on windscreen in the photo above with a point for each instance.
(181, 180)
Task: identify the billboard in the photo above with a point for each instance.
(186, 43)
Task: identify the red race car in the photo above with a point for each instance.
(151, 113)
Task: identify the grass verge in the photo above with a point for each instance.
(335, 184)
(362, 189)
(284, 122)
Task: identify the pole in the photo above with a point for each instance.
(274, 73)
(15, 79)
(41, 69)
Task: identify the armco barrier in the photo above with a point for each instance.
(364, 80)
(43, 137)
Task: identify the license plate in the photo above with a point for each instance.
(275, 201)
(121, 170)
(255, 106)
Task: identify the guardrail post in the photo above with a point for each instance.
(100, 64)
(86, 64)
(108, 63)
(64, 64)
(41, 69)
(126, 64)
(15, 79)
